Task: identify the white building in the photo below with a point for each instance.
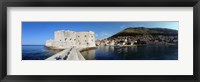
(67, 39)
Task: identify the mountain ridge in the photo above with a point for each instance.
(146, 35)
(146, 31)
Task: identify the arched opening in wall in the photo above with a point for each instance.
(65, 39)
(85, 36)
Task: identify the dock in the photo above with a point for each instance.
(68, 54)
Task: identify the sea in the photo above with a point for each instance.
(141, 52)
(36, 52)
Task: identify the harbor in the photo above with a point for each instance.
(103, 52)
(130, 43)
(137, 52)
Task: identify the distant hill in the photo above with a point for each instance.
(146, 35)
(132, 31)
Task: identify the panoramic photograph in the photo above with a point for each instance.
(139, 40)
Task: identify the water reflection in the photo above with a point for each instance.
(145, 52)
(89, 55)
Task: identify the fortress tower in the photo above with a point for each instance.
(67, 39)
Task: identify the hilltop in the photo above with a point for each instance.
(133, 31)
(146, 35)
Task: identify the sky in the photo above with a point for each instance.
(36, 33)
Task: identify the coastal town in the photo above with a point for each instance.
(141, 35)
(139, 40)
(100, 40)
(72, 43)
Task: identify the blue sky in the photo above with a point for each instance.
(36, 33)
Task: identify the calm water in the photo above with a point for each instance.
(36, 52)
(145, 52)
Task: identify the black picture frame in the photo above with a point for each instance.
(98, 3)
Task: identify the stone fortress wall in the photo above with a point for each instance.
(66, 39)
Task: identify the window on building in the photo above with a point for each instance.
(70, 39)
(74, 39)
(78, 36)
(92, 40)
(65, 39)
(60, 40)
(85, 36)
(85, 40)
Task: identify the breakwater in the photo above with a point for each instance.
(68, 54)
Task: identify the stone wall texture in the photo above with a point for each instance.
(66, 39)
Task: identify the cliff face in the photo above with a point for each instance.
(147, 35)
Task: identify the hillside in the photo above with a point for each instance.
(146, 35)
(146, 31)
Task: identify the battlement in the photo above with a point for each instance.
(67, 39)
